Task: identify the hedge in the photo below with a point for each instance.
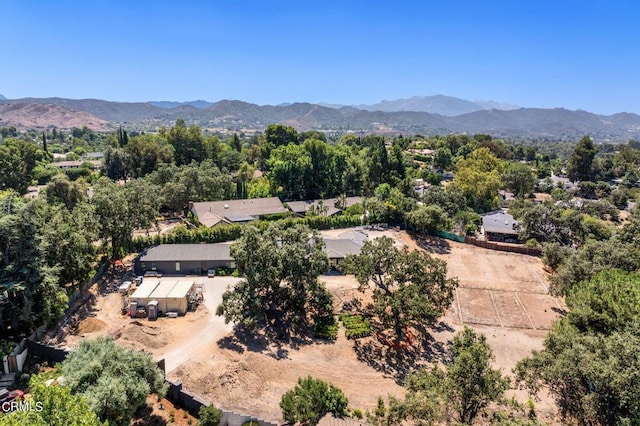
(218, 234)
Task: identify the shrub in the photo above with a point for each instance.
(326, 328)
(311, 399)
(356, 326)
(209, 416)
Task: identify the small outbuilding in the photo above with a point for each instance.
(178, 298)
(161, 293)
(144, 290)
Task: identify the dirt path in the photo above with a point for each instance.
(202, 336)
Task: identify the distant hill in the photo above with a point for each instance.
(438, 104)
(45, 116)
(234, 115)
(170, 104)
(2, 97)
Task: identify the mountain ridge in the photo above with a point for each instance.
(449, 106)
(233, 115)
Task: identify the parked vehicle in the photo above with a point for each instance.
(8, 396)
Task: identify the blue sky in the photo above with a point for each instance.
(571, 54)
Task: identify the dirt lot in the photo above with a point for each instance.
(502, 295)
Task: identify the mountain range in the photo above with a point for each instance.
(427, 115)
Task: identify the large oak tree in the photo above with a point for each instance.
(410, 288)
(280, 291)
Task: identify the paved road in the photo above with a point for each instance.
(211, 332)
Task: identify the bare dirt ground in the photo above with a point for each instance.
(503, 295)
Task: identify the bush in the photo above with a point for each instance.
(357, 413)
(356, 326)
(326, 328)
(310, 400)
(209, 416)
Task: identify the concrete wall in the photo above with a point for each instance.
(193, 403)
(48, 353)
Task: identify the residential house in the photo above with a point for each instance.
(197, 259)
(213, 213)
(500, 226)
(327, 207)
(184, 259)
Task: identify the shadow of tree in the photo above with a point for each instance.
(258, 341)
(397, 364)
(432, 244)
(145, 416)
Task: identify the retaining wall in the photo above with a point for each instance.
(192, 403)
(530, 251)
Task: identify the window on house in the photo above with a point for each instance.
(177, 266)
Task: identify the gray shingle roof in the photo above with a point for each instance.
(187, 252)
(244, 209)
(338, 248)
(499, 223)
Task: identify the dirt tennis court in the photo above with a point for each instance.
(500, 289)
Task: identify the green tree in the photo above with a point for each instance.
(122, 208)
(116, 164)
(291, 170)
(31, 294)
(69, 237)
(590, 359)
(17, 161)
(188, 143)
(146, 153)
(591, 258)
(279, 135)
(209, 415)
(61, 189)
(461, 392)
(608, 302)
(520, 179)
(52, 406)
(114, 381)
(377, 162)
(593, 377)
(410, 288)
(428, 219)
(310, 400)
(280, 291)
(479, 177)
(472, 383)
(580, 164)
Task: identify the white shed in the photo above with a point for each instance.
(160, 294)
(144, 290)
(178, 298)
